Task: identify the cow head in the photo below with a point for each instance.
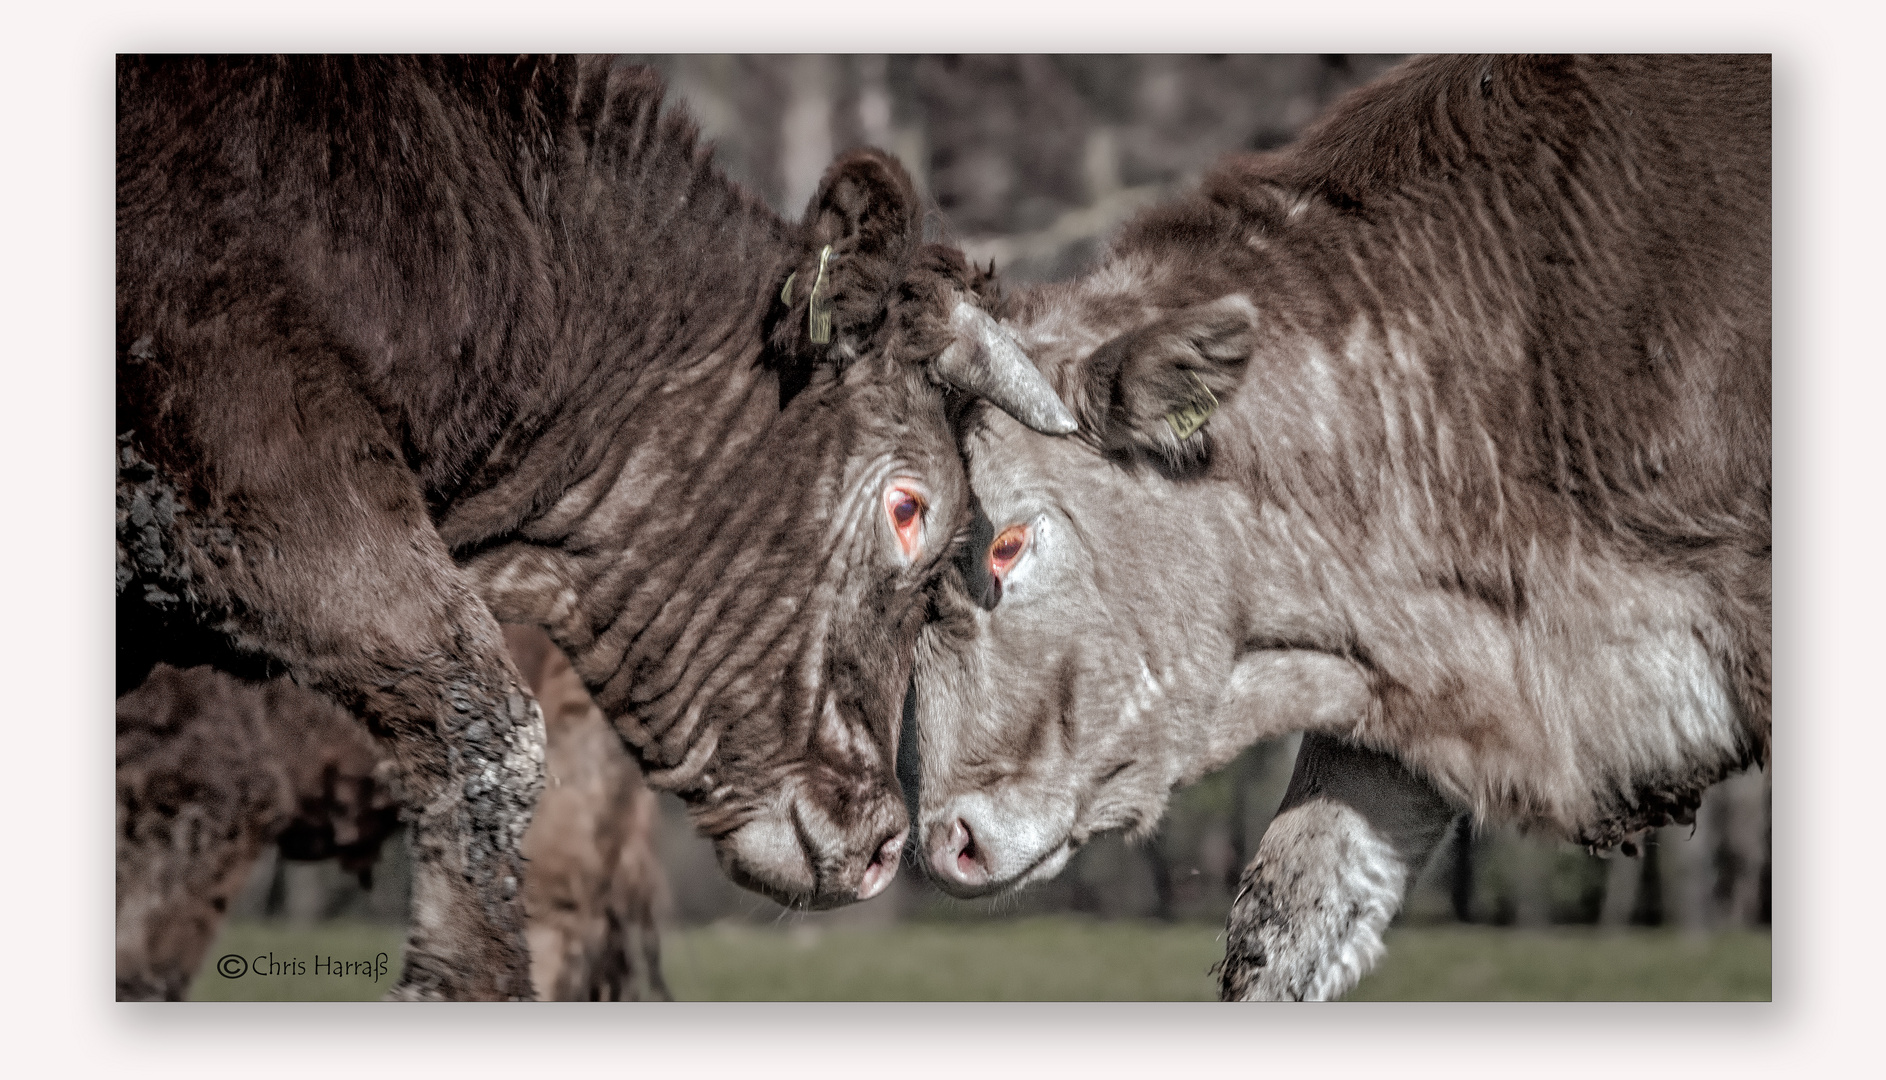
(1083, 655)
(754, 642)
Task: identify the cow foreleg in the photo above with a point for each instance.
(1353, 830)
(472, 792)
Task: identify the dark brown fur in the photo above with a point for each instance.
(404, 340)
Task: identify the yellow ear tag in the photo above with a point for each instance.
(785, 292)
(1191, 416)
(819, 307)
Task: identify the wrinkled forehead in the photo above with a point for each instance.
(893, 407)
(1015, 471)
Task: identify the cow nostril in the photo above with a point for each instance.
(883, 866)
(890, 850)
(958, 858)
(968, 855)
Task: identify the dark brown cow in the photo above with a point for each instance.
(1442, 435)
(212, 770)
(406, 342)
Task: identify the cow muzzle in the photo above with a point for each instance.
(799, 856)
(973, 848)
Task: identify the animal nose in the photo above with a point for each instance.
(958, 858)
(883, 866)
(805, 859)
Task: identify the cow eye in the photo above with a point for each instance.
(1007, 548)
(905, 507)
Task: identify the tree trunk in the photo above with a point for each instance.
(1689, 874)
(1623, 874)
(1460, 887)
(1740, 804)
(1532, 881)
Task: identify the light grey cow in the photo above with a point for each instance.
(1442, 436)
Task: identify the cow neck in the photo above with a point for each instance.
(1386, 360)
(1394, 382)
(663, 274)
(611, 509)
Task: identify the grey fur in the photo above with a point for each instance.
(1487, 495)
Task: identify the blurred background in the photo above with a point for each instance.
(1033, 161)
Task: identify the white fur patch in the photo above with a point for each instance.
(1330, 886)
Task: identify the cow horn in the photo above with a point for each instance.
(985, 360)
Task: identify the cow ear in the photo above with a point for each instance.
(1157, 388)
(866, 209)
(865, 204)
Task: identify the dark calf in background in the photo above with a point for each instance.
(211, 771)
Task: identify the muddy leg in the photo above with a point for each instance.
(1354, 829)
(472, 787)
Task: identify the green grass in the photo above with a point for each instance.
(1067, 958)
(1052, 958)
(1568, 964)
